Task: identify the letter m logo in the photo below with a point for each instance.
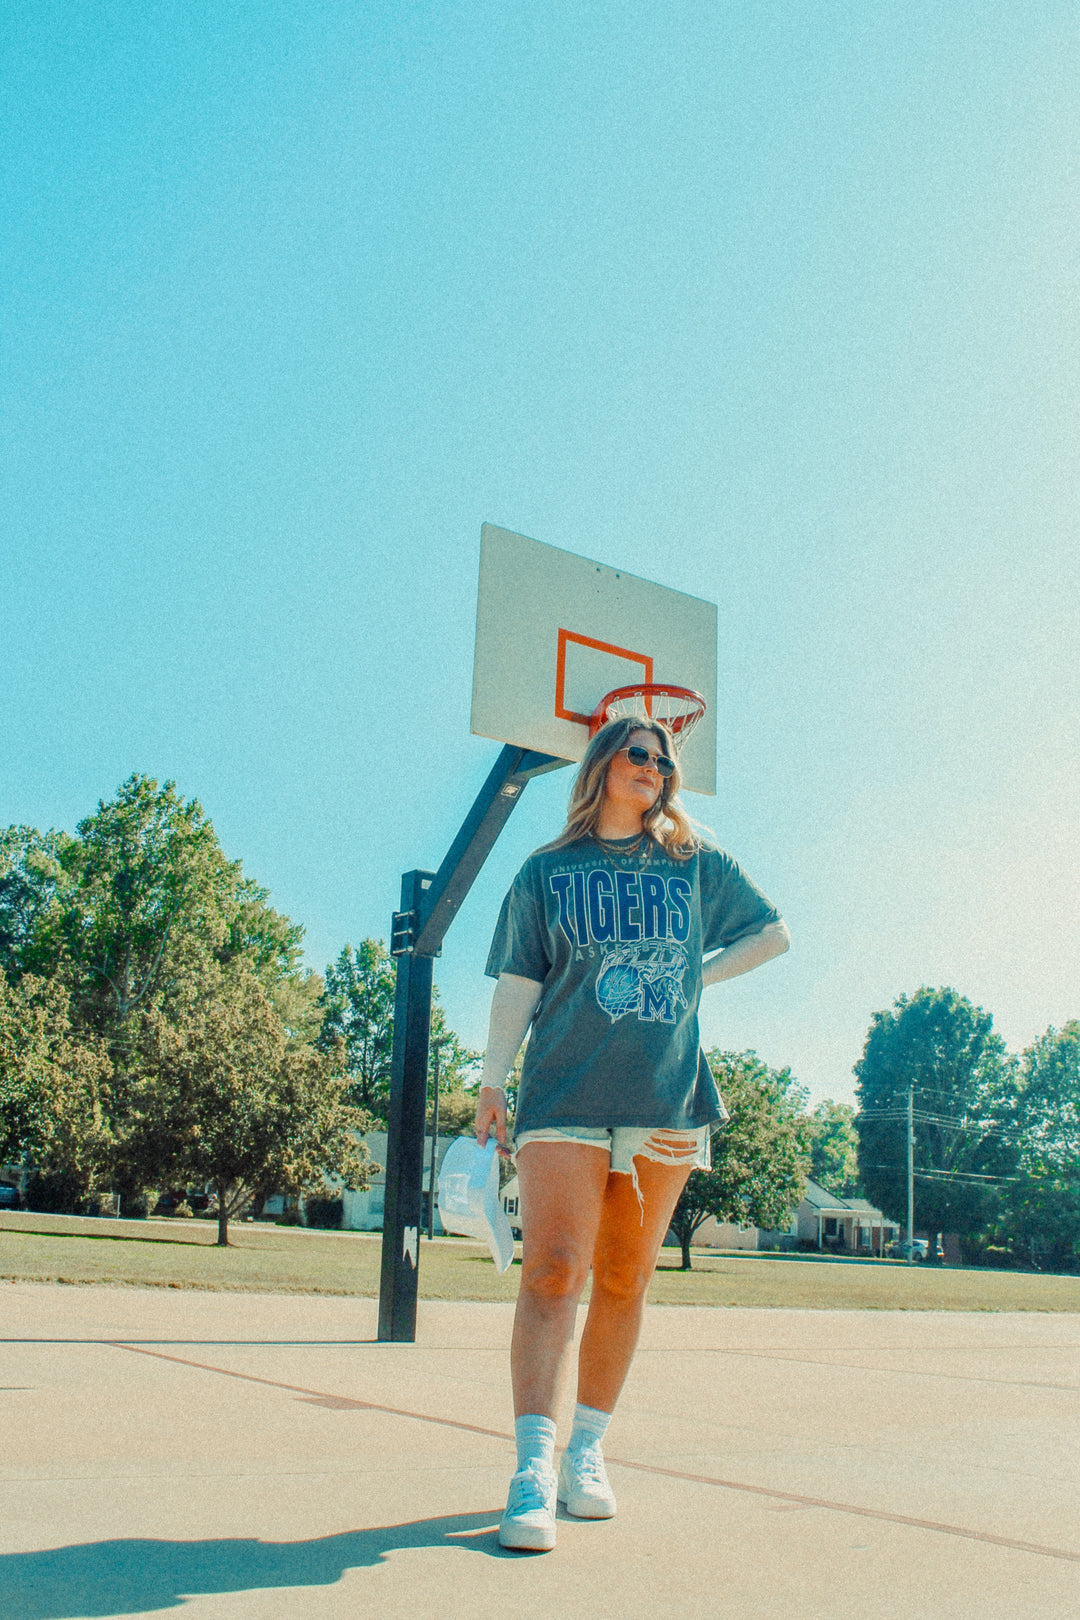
(656, 1007)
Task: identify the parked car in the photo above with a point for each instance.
(909, 1248)
(9, 1196)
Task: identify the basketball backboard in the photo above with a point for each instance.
(555, 632)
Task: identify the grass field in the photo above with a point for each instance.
(278, 1259)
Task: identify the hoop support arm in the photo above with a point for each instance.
(441, 900)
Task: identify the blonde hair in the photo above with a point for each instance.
(666, 822)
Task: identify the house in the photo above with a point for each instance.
(511, 1203)
(844, 1225)
(363, 1211)
(714, 1234)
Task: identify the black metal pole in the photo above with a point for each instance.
(429, 903)
(402, 1213)
(434, 1144)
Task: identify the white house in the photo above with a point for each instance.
(844, 1225)
(363, 1211)
(511, 1203)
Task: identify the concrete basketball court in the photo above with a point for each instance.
(259, 1455)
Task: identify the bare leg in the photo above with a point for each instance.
(624, 1259)
(562, 1196)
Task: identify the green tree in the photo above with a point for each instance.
(457, 1111)
(944, 1048)
(358, 1012)
(458, 1066)
(834, 1149)
(32, 871)
(227, 1101)
(51, 1084)
(1040, 1221)
(1047, 1103)
(760, 1157)
(298, 1001)
(1042, 1207)
(126, 903)
(138, 902)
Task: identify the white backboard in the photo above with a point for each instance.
(555, 632)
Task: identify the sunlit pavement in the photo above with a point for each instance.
(260, 1455)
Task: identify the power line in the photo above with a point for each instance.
(921, 1117)
(968, 1177)
(948, 1175)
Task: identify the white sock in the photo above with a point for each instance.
(589, 1424)
(535, 1438)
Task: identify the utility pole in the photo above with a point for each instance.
(911, 1175)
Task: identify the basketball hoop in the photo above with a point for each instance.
(679, 708)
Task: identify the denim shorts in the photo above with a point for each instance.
(626, 1143)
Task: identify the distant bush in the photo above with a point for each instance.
(57, 1192)
(326, 1212)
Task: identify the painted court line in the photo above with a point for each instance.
(793, 1359)
(316, 1397)
(345, 1403)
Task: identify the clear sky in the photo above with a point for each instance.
(775, 303)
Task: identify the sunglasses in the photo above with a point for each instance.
(641, 756)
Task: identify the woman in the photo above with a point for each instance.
(600, 946)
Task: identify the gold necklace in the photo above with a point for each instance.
(625, 849)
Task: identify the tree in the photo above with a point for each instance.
(1042, 1208)
(143, 886)
(1041, 1218)
(1047, 1103)
(834, 1149)
(298, 1001)
(457, 1112)
(141, 901)
(358, 1010)
(944, 1048)
(51, 1083)
(32, 869)
(145, 869)
(226, 1100)
(760, 1157)
(457, 1063)
(358, 1005)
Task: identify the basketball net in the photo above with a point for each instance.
(679, 708)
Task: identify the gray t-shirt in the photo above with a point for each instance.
(616, 939)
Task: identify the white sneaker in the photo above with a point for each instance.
(584, 1485)
(529, 1521)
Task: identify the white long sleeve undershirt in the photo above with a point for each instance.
(512, 1007)
(746, 953)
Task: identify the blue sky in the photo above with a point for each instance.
(774, 303)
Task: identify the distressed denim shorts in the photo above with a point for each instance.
(626, 1143)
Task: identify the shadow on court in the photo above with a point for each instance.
(105, 1578)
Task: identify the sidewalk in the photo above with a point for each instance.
(259, 1456)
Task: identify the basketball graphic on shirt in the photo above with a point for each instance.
(645, 979)
(618, 989)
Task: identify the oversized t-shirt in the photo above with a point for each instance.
(615, 935)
